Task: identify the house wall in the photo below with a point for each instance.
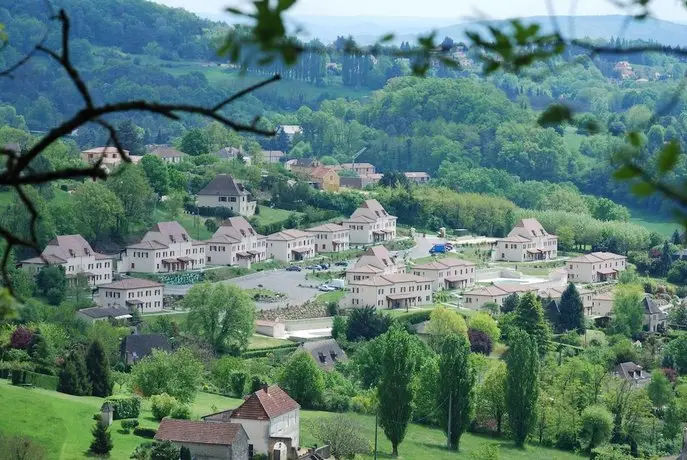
(101, 269)
(225, 253)
(151, 298)
(286, 426)
(361, 233)
(361, 295)
(476, 302)
(324, 241)
(258, 432)
(586, 272)
(210, 451)
(241, 206)
(517, 252)
(150, 260)
(438, 277)
(283, 250)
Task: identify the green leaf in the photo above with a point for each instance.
(643, 189)
(634, 138)
(626, 172)
(555, 114)
(668, 156)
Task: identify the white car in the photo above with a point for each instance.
(327, 288)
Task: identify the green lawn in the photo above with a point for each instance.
(262, 341)
(269, 215)
(660, 224)
(62, 423)
(333, 296)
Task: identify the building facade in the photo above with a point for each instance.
(75, 255)
(323, 178)
(166, 153)
(361, 169)
(398, 290)
(596, 267)
(371, 224)
(236, 243)
(224, 192)
(132, 293)
(109, 157)
(291, 245)
(376, 260)
(331, 238)
(447, 273)
(528, 241)
(206, 440)
(418, 177)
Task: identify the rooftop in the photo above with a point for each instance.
(595, 257)
(328, 228)
(197, 432)
(224, 184)
(264, 404)
(165, 151)
(131, 283)
(105, 312)
(143, 344)
(288, 235)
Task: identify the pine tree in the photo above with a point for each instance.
(185, 453)
(571, 310)
(522, 385)
(102, 441)
(73, 376)
(529, 316)
(456, 383)
(677, 240)
(98, 370)
(130, 138)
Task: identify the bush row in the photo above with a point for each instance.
(125, 406)
(262, 352)
(24, 377)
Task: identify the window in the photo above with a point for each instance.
(232, 199)
(223, 198)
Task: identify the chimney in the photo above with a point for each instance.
(265, 387)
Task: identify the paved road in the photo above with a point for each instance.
(275, 280)
(423, 245)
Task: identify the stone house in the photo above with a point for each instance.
(371, 224)
(602, 303)
(137, 346)
(269, 416)
(302, 166)
(291, 245)
(206, 440)
(331, 238)
(166, 153)
(633, 373)
(236, 243)
(324, 178)
(397, 290)
(230, 153)
(132, 293)
(108, 156)
(447, 273)
(527, 241)
(225, 192)
(418, 177)
(165, 248)
(272, 156)
(75, 255)
(376, 260)
(104, 313)
(361, 169)
(596, 267)
(477, 298)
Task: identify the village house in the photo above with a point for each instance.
(291, 245)
(236, 243)
(206, 440)
(447, 273)
(224, 192)
(109, 157)
(527, 241)
(324, 178)
(269, 417)
(104, 313)
(138, 346)
(361, 169)
(230, 153)
(418, 177)
(397, 290)
(302, 167)
(602, 303)
(166, 248)
(272, 156)
(477, 298)
(290, 131)
(655, 319)
(555, 293)
(331, 238)
(326, 353)
(166, 153)
(596, 267)
(633, 373)
(376, 260)
(359, 182)
(75, 255)
(132, 293)
(371, 224)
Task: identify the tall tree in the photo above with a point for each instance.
(73, 376)
(666, 259)
(395, 390)
(442, 324)
(529, 316)
(52, 284)
(660, 390)
(195, 143)
(492, 393)
(157, 173)
(457, 381)
(571, 310)
(522, 385)
(132, 189)
(510, 303)
(676, 238)
(178, 374)
(98, 370)
(303, 379)
(222, 314)
(97, 210)
(628, 311)
(131, 137)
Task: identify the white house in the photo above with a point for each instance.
(290, 131)
(166, 248)
(76, 256)
(144, 295)
(291, 245)
(477, 298)
(331, 237)
(397, 290)
(224, 192)
(166, 153)
(236, 242)
(447, 273)
(596, 267)
(371, 224)
(269, 416)
(376, 260)
(526, 242)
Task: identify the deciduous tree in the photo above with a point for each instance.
(342, 434)
(443, 323)
(178, 374)
(628, 312)
(529, 316)
(302, 379)
(157, 174)
(492, 393)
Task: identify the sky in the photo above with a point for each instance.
(445, 9)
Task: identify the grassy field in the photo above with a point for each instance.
(660, 224)
(262, 341)
(269, 215)
(62, 424)
(333, 296)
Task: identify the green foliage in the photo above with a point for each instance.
(129, 424)
(628, 311)
(456, 384)
(444, 323)
(529, 316)
(185, 453)
(367, 362)
(222, 314)
(678, 272)
(571, 310)
(145, 432)
(177, 374)
(491, 397)
(98, 370)
(426, 388)
(194, 143)
(125, 407)
(339, 327)
(180, 411)
(597, 423)
(660, 389)
(97, 210)
(302, 379)
(675, 354)
(485, 323)
(74, 376)
(395, 391)
(162, 405)
(51, 282)
(672, 423)
(157, 174)
(102, 440)
(522, 390)
(366, 323)
(510, 303)
(342, 434)
(164, 450)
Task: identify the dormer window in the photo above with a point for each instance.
(72, 253)
(377, 212)
(534, 233)
(322, 357)
(171, 238)
(185, 237)
(86, 251)
(332, 353)
(243, 233)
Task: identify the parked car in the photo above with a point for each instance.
(341, 264)
(293, 268)
(326, 288)
(324, 266)
(337, 284)
(312, 267)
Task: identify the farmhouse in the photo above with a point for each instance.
(109, 157)
(492, 294)
(206, 440)
(323, 178)
(596, 267)
(417, 177)
(447, 273)
(371, 224)
(224, 192)
(361, 169)
(166, 153)
(236, 242)
(527, 241)
(291, 245)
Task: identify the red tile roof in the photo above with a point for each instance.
(196, 432)
(266, 403)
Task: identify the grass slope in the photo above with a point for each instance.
(62, 423)
(660, 224)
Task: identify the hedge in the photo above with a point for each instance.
(262, 352)
(23, 377)
(125, 406)
(145, 432)
(416, 317)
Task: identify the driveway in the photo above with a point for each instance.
(274, 280)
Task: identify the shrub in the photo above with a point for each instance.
(338, 327)
(21, 338)
(180, 411)
(125, 406)
(237, 383)
(129, 424)
(415, 317)
(479, 342)
(597, 423)
(333, 401)
(162, 405)
(148, 433)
